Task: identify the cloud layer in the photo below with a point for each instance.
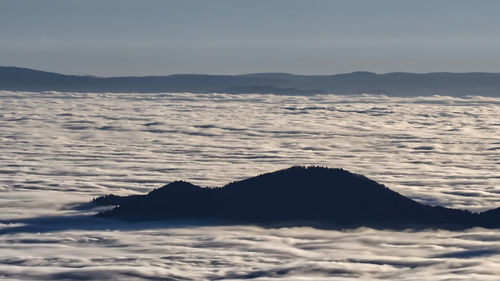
(243, 252)
(63, 148)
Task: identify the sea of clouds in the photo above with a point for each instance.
(61, 149)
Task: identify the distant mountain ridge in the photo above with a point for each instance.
(297, 194)
(392, 84)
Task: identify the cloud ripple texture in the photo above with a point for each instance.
(61, 149)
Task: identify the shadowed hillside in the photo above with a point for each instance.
(392, 84)
(298, 194)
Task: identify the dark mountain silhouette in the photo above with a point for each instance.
(299, 194)
(394, 84)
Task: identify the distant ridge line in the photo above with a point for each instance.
(392, 84)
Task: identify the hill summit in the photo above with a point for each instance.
(297, 194)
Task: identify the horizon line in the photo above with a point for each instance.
(246, 74)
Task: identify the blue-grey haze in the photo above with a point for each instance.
(122, 37)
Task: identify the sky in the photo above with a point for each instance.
(123, 37)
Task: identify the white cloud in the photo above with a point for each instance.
(58, 149)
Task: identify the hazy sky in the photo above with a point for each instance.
(122, 37)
